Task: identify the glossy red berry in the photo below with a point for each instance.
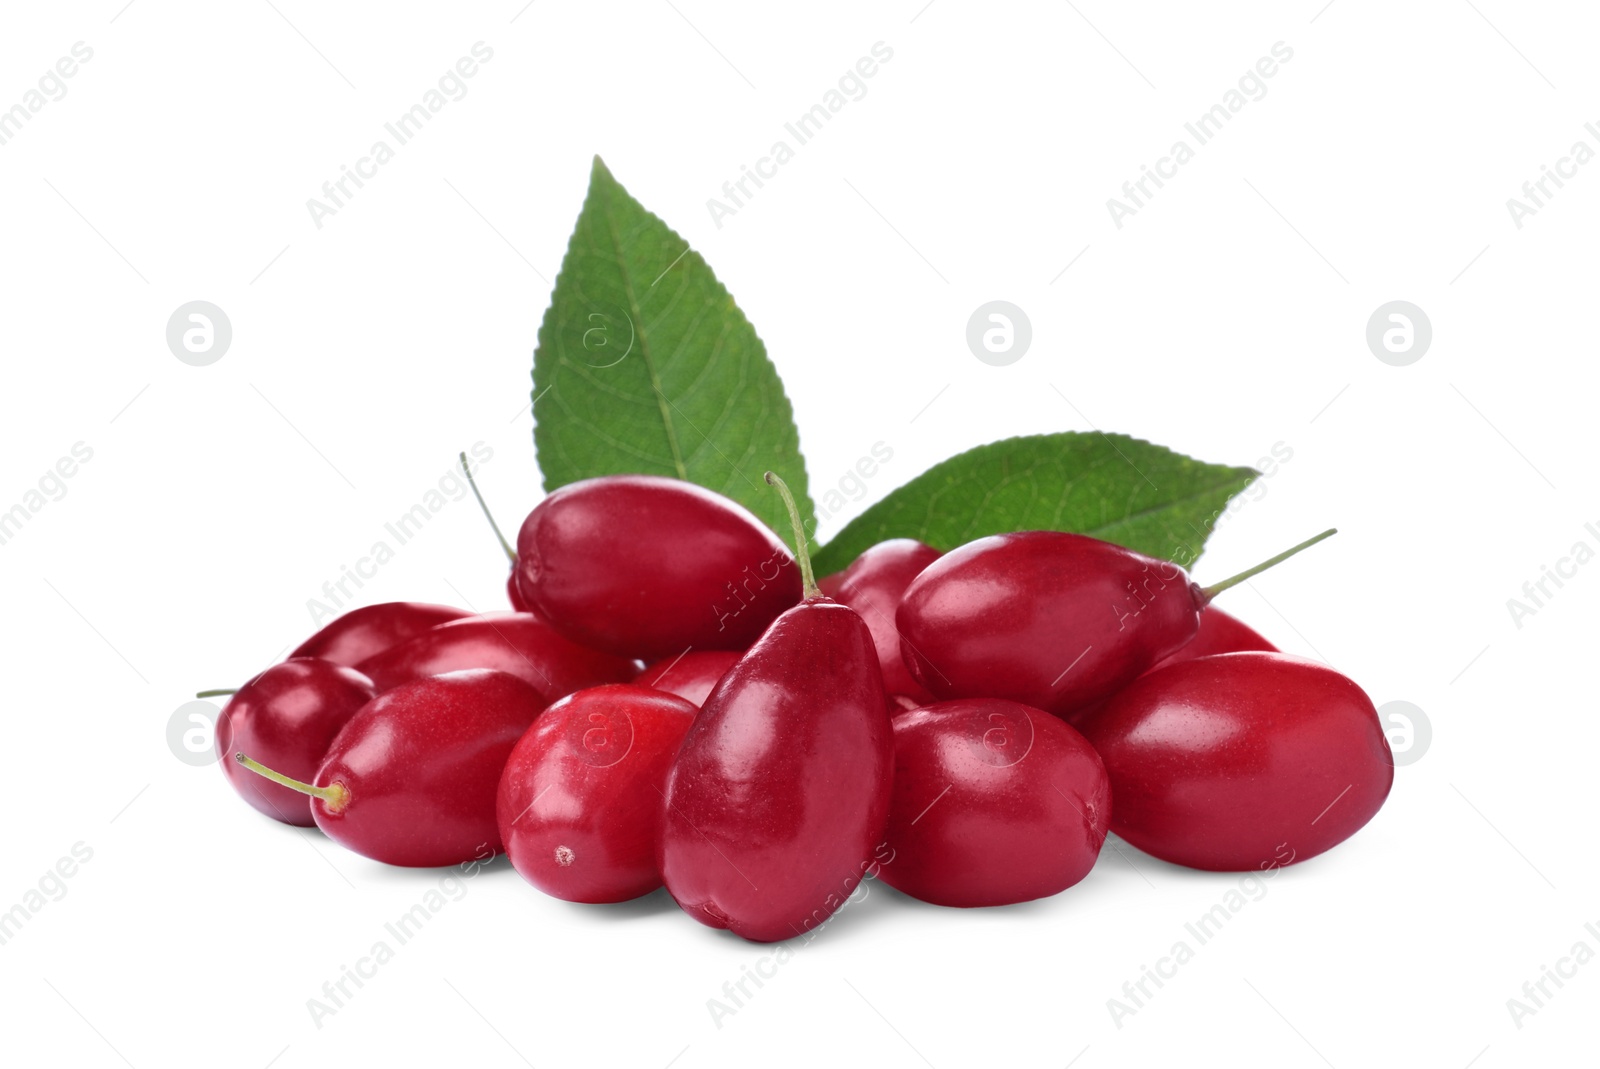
(412, 778)
(287, 717)
(780, 791)
(518, 643)
(1219, 633)
(994, 802)
(360, 633)
(1053, 620)
(514, 593)
(690, 676)
(873, 585)
(642, 566)
(1242, 761)
(581, 799)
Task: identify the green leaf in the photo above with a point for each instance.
(1111, 486)
(645, 365)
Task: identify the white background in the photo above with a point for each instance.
(1226, 316)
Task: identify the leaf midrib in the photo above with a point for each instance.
(1234, 474)
(1238, 473)
(1226, 481)
(644, 343)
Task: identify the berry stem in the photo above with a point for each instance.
(511, 554)
(1232, 581)
(220, 692)
(334, 795)
(801, 553)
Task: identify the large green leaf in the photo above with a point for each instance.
(1121, 489)
(645, 365)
